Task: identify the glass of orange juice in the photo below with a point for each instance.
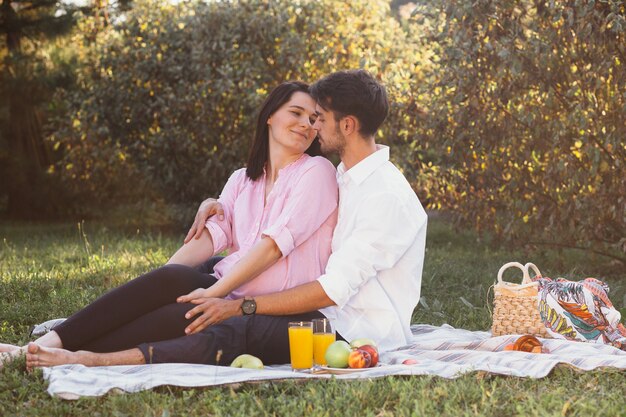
(301, 344)
(323, 336)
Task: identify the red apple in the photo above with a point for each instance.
(359, 359)
(373, 354)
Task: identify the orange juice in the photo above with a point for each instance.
(301, 345)
(321, 341)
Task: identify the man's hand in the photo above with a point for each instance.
(208, 208)
(211, 311)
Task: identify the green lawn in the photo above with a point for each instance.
(49, 271)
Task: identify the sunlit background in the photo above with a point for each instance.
(509, 116)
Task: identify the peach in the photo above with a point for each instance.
(359, 359)
(373, 354)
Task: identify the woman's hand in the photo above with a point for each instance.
(211, 311)
(197, 294)
(208, 208)
(194, 295)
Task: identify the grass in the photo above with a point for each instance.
(50, 271)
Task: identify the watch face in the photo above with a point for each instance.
(248, 307)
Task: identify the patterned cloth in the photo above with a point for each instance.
(580, 311)
(443, 351)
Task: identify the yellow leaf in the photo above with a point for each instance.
(604, 166)
(565, 408)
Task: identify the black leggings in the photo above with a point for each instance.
(141, 311)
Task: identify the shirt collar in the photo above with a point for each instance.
(364, 168)
(290, 166)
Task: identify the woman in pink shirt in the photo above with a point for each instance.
(279, 216)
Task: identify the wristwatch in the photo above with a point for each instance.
(248, 306)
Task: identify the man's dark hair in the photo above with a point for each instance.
(353, 93)
(260, 150)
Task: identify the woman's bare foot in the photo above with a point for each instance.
(4, 347)
(6, 357)
(41, 356)
(50, 339)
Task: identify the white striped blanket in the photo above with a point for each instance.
(443, 351)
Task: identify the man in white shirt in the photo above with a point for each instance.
(374, 273)
(372, 281)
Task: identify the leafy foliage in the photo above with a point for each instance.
(528, 117)
(169, 95)
(522, 134)
(27, 80)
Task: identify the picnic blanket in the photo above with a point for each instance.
(443, 351)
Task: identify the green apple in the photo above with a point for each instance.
(357, 343)
(247, 361)
(337, 354)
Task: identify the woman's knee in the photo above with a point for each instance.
(177, 278)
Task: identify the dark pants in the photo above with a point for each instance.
(142, 310)
(144, 313)
(265, 337)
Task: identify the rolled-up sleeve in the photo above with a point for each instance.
(385, 229)
(221, 231)
(311, 201)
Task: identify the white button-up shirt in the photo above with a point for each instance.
(374, 273)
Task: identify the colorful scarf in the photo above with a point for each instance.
(580, 311)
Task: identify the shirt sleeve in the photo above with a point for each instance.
(222, 230)
(309, 204)
(385, 229)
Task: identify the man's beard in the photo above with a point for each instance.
(336, 145)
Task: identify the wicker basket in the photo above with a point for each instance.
(515, 305)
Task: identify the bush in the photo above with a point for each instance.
(528, 120)
(169, 95)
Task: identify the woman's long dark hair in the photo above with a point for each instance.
(260, 151)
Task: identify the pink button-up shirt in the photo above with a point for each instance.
(300, 214)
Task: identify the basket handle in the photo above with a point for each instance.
(532, 266)
(526, 277)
